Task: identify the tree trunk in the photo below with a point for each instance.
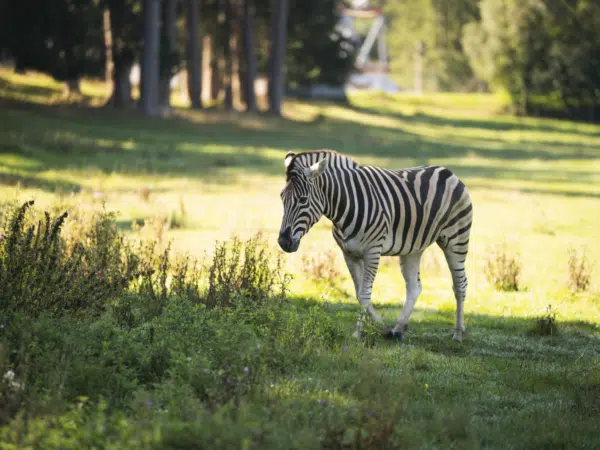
(207, 73)
(278, 43)
(249, 57)
(108, 46)
(194, 61)
(227, 54)
(166, 71)
(121, 94)
(151, 58)
(72, 87)
(236, 55)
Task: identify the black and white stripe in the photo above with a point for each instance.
(380, 212)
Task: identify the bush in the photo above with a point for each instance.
(40, 272)
(503, 268)
(322, 267)
(546, 324)
(242, 272)
(580, 271)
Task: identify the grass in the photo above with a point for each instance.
(535, 185)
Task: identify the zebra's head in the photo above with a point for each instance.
(302, 202)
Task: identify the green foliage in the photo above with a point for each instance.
(539, 51)
(439, 25)
(316, 52)
(65, 39)
(242, 272)
(39, 273)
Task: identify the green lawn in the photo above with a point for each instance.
(535, 185)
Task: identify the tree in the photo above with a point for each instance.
(126, 30)
(169, 59)
(149, 99)
(249, 73)
(194, 54)
(544, 54)
(227, 52)
(317, 52)
(64, 39)
(279, 22)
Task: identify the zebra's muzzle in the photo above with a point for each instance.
(287, 242)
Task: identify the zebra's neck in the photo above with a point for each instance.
(333, 187)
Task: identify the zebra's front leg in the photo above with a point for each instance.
(363, 271)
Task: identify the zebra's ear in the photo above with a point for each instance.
(316, 170)
(288, 158)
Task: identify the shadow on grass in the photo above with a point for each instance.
(522, 124)
(233, 145)
(11, 179)
(500, 336)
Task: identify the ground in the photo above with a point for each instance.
(534, 183)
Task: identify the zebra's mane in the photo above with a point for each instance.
(306, 159)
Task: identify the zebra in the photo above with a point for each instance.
(379, 212)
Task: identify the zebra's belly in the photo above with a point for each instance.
(400, 245)
(352, 246)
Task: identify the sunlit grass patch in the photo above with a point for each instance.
(287, 374)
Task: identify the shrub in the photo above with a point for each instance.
(242, 272)
(39, 272)
(322, 267)
(580, 271)
(503, 268)
(546, 324)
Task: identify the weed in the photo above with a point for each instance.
(39, 273)
(178, 218)
(322, 267)
(243, 272)
(546, 324)
(503, 268)
(580, 271)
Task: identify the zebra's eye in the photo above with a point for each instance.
(303, 200)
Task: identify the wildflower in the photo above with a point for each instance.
(246, 370)
(189, 358)
(323, 402)
(426, 386)
(345, 348)
(149, 403)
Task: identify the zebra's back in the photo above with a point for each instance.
(424, 205)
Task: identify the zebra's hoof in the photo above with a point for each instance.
(458, 337)
(391, 334)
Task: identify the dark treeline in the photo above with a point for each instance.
(544, 54)
(223, 44)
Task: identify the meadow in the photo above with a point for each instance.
(159, 366)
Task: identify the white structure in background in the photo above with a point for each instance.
(368, 75)
(135, 76)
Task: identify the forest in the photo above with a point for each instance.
(541, 54)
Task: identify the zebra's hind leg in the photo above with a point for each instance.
(456, 255)
(409, 265)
